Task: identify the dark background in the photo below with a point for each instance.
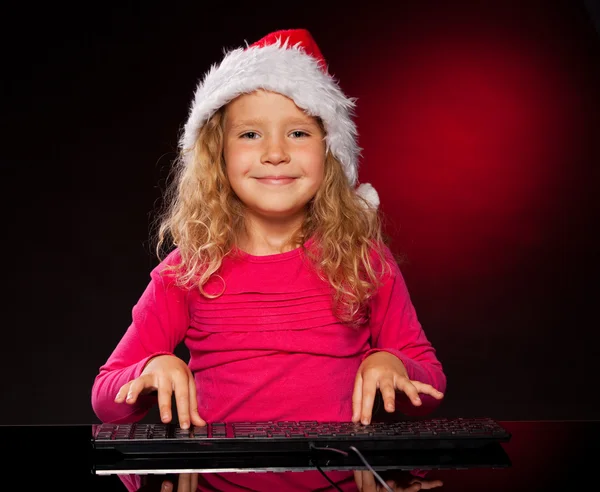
(480, 128)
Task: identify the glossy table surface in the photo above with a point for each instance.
(541, 455)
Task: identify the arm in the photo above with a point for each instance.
(396, 329)
(159, 322)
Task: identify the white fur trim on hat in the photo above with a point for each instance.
(289, 71)
(366, 191)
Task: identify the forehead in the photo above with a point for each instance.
(262, 104)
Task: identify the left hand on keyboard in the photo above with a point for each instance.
(384, 371)
(366, 482)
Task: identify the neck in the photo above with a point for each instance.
(266, 235)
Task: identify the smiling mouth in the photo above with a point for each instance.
(276, 180)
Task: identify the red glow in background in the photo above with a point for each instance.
(472, 128)
(469, 141)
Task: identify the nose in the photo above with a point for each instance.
(275, 152)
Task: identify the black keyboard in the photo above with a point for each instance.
(296, 437)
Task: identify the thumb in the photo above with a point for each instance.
(357, 398)
(194, 415)
(196, 419)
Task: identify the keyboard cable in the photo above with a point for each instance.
(334, 485)
(362, 458)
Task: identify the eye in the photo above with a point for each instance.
(250, 135)
(299, 134)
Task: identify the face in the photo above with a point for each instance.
(274, 155)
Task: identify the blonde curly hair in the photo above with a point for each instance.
(203, 217)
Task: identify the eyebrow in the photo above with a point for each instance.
(259, 121)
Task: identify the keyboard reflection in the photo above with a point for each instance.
(357, 480)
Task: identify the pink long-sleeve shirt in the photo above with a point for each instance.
(268, 348)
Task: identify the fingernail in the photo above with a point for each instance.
(365, 421)
(185, 425)
(165, 416)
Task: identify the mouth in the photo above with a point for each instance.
(276, 180)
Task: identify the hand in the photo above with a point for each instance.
(366, 482)
(387, 372)
(187, 482)
(166, 374)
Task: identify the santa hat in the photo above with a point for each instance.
(290, 63)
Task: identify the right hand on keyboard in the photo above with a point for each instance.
(166, 374)
(187, 482)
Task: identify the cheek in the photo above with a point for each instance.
(316, 166)
(237, 163)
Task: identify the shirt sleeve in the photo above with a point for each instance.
(396, 329)
(160, 320)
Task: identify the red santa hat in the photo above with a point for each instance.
(290, 63)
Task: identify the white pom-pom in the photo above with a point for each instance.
(369, 193)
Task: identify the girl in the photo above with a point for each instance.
(279, 281)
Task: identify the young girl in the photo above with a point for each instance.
(278, 280)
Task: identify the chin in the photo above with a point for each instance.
(279, 212)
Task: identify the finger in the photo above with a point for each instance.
(182, 400)
(194, 482)
(357, 398)
(369, 388)
(413, 487)
(165, 393)
(135, 388)
(388, 393)
(194, 415)
(185, 483)
(166, 486)
(368, 481)
(409, 390)
(120, 398)
(358, 479)
(427, 389)
(430, 484)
